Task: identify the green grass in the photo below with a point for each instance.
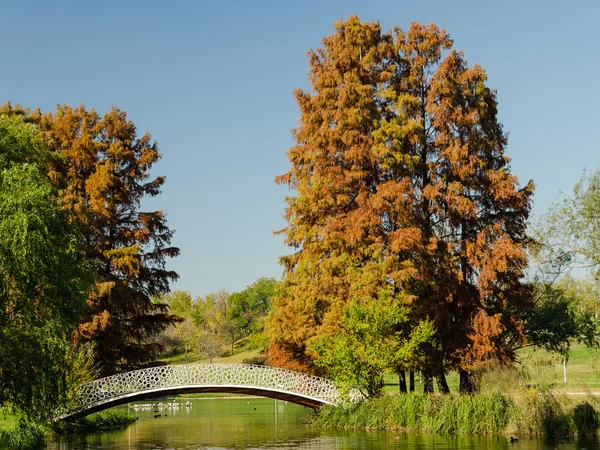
(7, 419)
(23, 436)
(539, 368)
(110, 419)
(18, 434)
(544, 368)
(193, 357)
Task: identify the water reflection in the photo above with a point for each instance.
(256, 423)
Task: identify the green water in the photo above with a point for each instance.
(258, 423)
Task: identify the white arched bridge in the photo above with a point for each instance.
(297, 387)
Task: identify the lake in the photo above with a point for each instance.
(259, 423)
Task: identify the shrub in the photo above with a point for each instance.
(110, 419)
(24, 436)
(585, 419)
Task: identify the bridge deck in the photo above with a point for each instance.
(296, 387)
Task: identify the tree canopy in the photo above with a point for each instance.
(402, 183)
(103, 175)
(101, 170)
(44, 276)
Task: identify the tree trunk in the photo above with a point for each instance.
(411, 376)
(442, 383)
(427, 384)
(466, 385)
(402, 381)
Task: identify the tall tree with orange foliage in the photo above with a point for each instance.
(400, 170)
(333, 222)
(103, 175)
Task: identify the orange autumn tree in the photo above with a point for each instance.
(399, 165)
(103, 175)
(335, 222)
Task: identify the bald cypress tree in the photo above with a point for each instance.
(103, 175)
(402, 184)
(332, 222)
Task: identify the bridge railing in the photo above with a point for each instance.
(105, 390)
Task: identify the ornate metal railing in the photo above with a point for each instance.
(221, 376)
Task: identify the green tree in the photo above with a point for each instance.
(248, 308)
(561, 315)
(552, 322)
(211, 316)
(568, 235)
(43, 276)
(188, 334)
(180, 303)
(371, 342)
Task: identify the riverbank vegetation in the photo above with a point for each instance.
(504, 403)
(110, 419)
(531, 412)
(19, 434)
(23, 436)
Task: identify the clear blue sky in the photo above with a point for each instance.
(213, 81)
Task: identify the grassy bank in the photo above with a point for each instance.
(110, 419)
(17, 434)
(22, 436)
(528, 412)
(542, 369)
(193, 357)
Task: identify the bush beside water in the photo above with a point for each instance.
(532, 412)
(110, 419)
(24, 436)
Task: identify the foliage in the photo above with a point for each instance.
(25, 436)
(370, 342)
(584, 297)
(43, 276)
(551, 323)
(563, 313)
(103, 173)
(188, 334)
(402, 183)
(526, 412)
(569, 234)
(180, 303)
(80, 368)
(585, 418)
(248, 308)
(107, 420)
